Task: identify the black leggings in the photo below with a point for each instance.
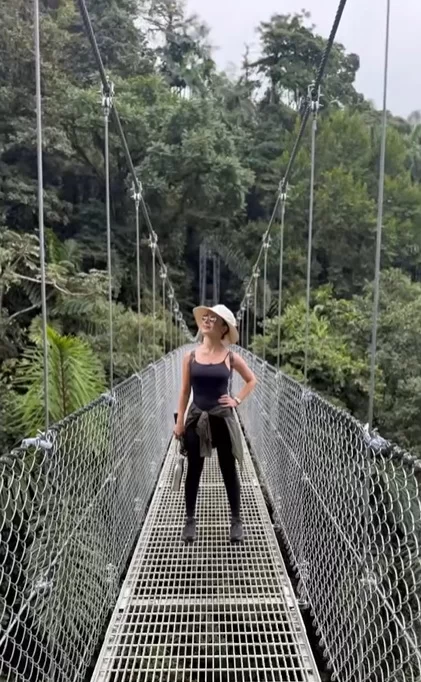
(222, 441)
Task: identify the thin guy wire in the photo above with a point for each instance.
(379, 224)
(41, 209)
(281, 265)
(139, 323)
(255, 310)
(38, 95)
(310, 243)
(154, 299)
(304, 119)
(248, 323)
(171, 322)
(109, 266)
(265, 276)
(163, 314)
(264, 238)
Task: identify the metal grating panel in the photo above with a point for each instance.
(208, 612)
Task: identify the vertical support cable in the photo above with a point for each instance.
(203, 265)
(281, 274)
(171, 297)
(41, 207)
(248, 297)
(379, 224)
(176, 310)
(163, 275)
(256, 274)
(243, 326)
(266, 245)
(315, 108)
(153, 242)
(216, 278)
(107, 102)
(136, 197)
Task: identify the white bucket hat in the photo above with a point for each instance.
(225, 314)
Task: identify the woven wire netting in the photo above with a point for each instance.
(69, 517)
(349, 509)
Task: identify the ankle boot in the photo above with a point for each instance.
(189, 530)
(236, 531)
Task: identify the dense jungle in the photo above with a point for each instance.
(210, 149)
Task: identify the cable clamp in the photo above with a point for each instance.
(163, 272)
(137, 195)
(39, 443)
(283, 191)
(314, 95)
(107, 97)
(153, 241)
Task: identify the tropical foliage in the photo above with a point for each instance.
(210, 150)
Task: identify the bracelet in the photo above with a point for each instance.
(237, 400)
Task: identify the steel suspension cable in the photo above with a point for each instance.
(176, 309)
(107, 106)
(281, 274)
(136, 197)
(380, 204)
(304, 119)
(256, 278)
(265, 278)
(106, 88)
(153, 244)
(163, 275)
(248, 319)
(310, 235)
(38, 97)
(171, 297)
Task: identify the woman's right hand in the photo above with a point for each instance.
(178, 431)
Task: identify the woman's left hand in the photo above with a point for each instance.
(227, 401)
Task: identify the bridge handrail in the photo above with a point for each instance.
(347, 504)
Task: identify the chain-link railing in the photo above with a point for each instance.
(349, 509)
(70, 511)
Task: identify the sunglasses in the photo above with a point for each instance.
(209, 318)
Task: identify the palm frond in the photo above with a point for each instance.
(76, 376)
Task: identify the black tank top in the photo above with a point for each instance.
(209, 382)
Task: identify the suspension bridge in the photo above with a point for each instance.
(95, 583)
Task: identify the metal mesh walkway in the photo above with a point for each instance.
(208, 612)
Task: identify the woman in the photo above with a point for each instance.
(210, 420)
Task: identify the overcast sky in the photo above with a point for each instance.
(362, 30)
